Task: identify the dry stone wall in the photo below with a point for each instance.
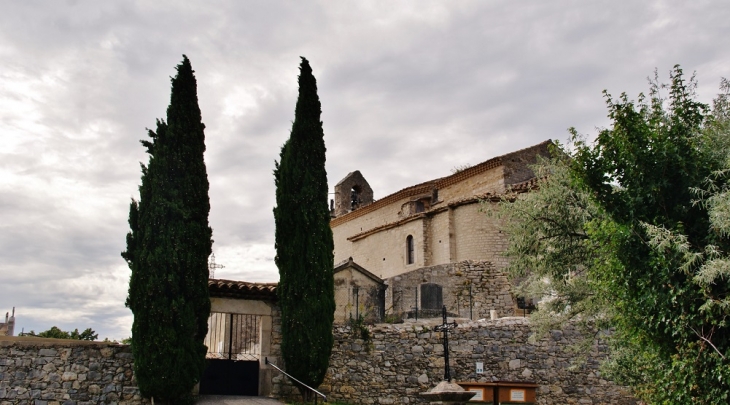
(60, 372)
(399, 361)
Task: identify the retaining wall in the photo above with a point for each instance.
(37, 371)
(399, 361)
(490, 289)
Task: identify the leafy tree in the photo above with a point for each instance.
(56, 333)
(87, 334)
(551, 250)
(168, 249)
(628, 233)
(304, 245)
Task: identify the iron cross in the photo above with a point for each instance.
(444, 327)
(212, 266)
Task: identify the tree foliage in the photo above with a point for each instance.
(167, 250)
(304, 245)
(551, 250)
(628, 232)
(57, 333)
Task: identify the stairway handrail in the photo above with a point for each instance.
(268, 363)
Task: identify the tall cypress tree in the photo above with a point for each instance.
(304, 245)
(167, 250)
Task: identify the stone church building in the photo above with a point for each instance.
(427, 245)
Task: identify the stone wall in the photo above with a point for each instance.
(478, 236)
(490, 289)
(399, 361)
(64, 372)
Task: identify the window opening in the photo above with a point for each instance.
(355, 199)
(410, 251)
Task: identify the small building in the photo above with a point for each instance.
(359, 294)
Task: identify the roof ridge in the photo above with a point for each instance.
(440, 182)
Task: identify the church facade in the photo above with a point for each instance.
(431, 233)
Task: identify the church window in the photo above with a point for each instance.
(410, 251)
(420, 206)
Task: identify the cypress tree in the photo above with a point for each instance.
(167, 250)
(304, 245)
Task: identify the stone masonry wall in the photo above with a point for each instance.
(38, 371)
(490, 289)
(399, 361)
(478, 236)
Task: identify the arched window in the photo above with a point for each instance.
(410, 251)
(355, 199)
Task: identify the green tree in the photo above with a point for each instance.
(57, 333)
(551, 250)
(167, 250)
(87, 334)
(627, 233)
(304, 245)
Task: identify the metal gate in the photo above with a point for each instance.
(234, 351)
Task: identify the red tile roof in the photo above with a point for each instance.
(242, 290)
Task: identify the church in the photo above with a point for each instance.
(427, 245)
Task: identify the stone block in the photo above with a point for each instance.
(47, 352)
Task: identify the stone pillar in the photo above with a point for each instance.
(265, 372)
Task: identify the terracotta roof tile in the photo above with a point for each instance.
(242, 289)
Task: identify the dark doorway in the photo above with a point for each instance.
(230, 377)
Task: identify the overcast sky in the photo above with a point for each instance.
(409, 90)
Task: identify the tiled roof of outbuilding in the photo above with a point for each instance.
(242, 290)
(349, 263)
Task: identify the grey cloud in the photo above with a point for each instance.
(409, 90)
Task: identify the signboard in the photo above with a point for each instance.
(479, 396)
(480, 368)
(517, 395)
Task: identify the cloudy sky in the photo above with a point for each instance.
(409, 90)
